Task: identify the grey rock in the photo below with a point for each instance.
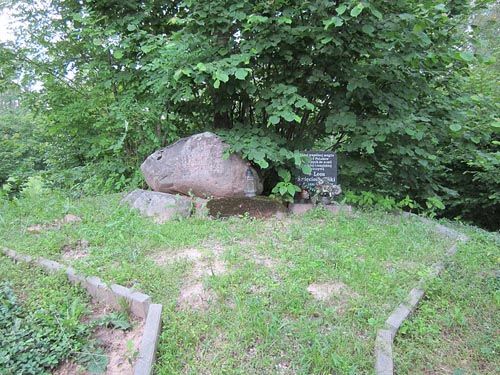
(161, 206)
(195, 165)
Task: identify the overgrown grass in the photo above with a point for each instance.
(456, 329)
(243, 296)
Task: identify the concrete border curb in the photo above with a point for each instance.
(384, 360)
(140, 305)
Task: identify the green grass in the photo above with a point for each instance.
(256, 315)
(456, 329)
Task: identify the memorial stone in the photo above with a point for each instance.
(322, 181)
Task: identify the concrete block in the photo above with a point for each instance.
(94, 286)
(74, 277)
(140, 304)
(104, 294)
(384, 364)
(436, 269)
(414, 298)
(452, 249)
(396, 319)
(25, 258)
(448, 231)
(50, 265)
(300, 208)
(15, 256)
(10, 253)
(336, 209)
(149, 344)
(120, 291)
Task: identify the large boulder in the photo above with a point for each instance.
(160, 206)
(195, 165)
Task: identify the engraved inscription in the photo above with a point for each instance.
(324, 170)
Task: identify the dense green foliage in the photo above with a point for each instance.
(36, 336)
(473, 155)
(400, 90)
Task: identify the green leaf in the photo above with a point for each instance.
(288, 116)
(292, 189)
(118, 54)
(177, 74)
(93, 359)
(216, 84)
(336, 21)
(356, 11)
(222, 76)
(201, 67)
(286, 20)
(262, 163)
(467, 56)
(146, 48)
(341, 10)
(495, 124)
(131, 27)
(368, 29)
(284, 174)
(97, 41)
(489, 60)
(97, 362)
(300, 103)
(253, 18)
(306, 169)
(376, 13)
(419, 27)
(455, 127)
(273, 120)
(241, 73)
(117, 320)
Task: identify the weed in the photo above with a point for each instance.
(132, 354)
(117, 320)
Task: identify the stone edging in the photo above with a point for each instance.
(140, 305)
(384, 364)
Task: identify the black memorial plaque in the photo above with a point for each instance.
(324, 170)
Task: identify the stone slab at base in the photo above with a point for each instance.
(260, 207)
(303, 208)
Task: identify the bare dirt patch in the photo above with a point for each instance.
(206, 262)
(119, 346)
(328, 290)
(77, 250)
(266, 261)
(194, 296)
(69, 218)
(164, 257)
